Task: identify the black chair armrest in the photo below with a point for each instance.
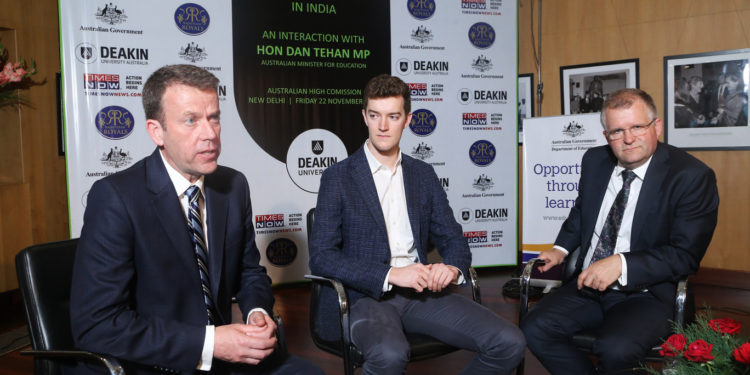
(681, 302)
(343, 306)
(113, 366)
(524, 283)
(476, 293)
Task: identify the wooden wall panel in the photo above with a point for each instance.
(589, 31)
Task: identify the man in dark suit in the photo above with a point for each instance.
(375, 213)
(149, 287)
(644, 216)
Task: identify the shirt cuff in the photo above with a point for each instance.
(387, 286)
(207, 355)
(623, 279)
(247, 318)
(561, 249)
(460, 279)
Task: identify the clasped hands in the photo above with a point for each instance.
(246, 343)
(434, 277)
(599, 275)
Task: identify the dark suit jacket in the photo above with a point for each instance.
(136, 290)
(673, 223)
(349, 241)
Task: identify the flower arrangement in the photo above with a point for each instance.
(13, 76)
(706, 346)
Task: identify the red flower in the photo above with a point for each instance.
(725, 325)
(742, 354)
(699, 351)
(674, 345)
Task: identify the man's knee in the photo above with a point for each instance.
(393, 356)
(617, 353)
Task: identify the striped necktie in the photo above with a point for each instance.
(608, 237)
(195, 225)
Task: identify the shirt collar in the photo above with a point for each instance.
(374, 164)
(179, 181)
(640, 172)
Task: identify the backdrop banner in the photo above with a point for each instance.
(552, 151)
(291, 78)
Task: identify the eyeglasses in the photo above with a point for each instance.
(635, 131)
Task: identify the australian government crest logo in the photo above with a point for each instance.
(192, 19)
(116, 158)
(111, 15)
(573, 129)
(422, 151)
(114, 122)
(481, 63)
(482, 35)
(192, 52)
(423, 122)
(422, 34)
(483, 183)
(421, 9)
(482, 153)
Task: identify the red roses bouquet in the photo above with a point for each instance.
(707, 346)
(13, 76)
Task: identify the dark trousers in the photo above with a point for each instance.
(377, 329)
(626, 326)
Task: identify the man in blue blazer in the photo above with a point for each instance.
(375, 213)
(140, 291)
(626, 286)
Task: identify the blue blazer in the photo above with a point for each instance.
(673, 223)
(349, 241)
(136, 292)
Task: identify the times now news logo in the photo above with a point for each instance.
(476, 236)
(101, 81)
(269, 221)
(418, 89)
(474, 118)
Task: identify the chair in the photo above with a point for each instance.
(684, 306)
(44, 276)
(422, 346)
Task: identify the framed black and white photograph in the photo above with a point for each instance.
(584, 87)
(525, 101)
(705, 100)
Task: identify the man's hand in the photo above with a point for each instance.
(601, 274)
(440, 276)
(551, 258)
(415, 276)
(244, 343)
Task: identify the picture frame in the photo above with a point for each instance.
(583, 88)
(706, 100)
(525, 101)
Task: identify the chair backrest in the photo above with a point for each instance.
(44, 273)
(569, 265)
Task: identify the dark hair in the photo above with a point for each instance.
(625, 98)
(182, 74)
(386, 86)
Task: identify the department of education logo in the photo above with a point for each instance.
(573, 129)
(111, 15)
(481, 35)
(423, 122)
(116, 157)
(464, 96)
(421, 9)
(192, 19)
(403, 66)
(422, 151)
(481, 63)
(483, 183)
(422, 34)
(482, 153)
(114, 122)
(317, 146)
(86, 53)
(192, 52)
(281, 252)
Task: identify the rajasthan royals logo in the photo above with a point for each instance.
(317, 146)
(423, 122)
(422, 34)
(482, 63)
(481, 35)
(193, 52)
(110, 14)
(421, 9)
(482, 153)
(281, 252)
(573, 129)
(422, 151)
(114, 122)
(192, 19)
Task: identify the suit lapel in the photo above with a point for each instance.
(599, 183)
(362, 176)
(655, 175)
(411, 189)
(217, 208)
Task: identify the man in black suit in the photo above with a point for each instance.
(644, 216)
(153, 280)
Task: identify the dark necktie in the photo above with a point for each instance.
(608, 237)
(195, 225)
